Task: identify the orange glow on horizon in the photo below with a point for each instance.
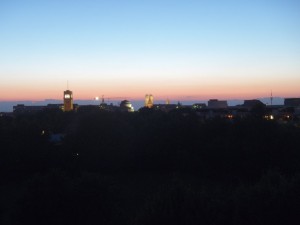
(174, 92)
(157, 97)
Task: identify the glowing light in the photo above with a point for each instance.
(97, 98)
(230, 116)
(269, 117)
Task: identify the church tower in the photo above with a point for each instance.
(149, 101)
(68, 100)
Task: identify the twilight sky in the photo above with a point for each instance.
(188, 49)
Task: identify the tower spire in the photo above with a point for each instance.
(271, 97)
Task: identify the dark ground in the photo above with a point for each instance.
(148, 168)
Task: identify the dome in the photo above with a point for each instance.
(126, 106)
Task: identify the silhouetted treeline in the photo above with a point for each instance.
(147, 167)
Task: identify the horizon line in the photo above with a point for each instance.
(187, 98)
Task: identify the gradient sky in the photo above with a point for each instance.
(189, 49)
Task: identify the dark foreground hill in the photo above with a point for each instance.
(147, 168)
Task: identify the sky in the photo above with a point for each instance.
(183, 50)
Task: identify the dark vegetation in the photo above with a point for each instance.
(147, 168)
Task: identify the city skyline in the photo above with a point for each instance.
(172, 49)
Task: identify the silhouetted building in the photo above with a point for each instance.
(107, 107)
(292, 102)
(165, 107)
(21, 108)
(216, 104)
(55, 106)
(199, 106)
(249, 104)
(126, 106)
(68, 101)
(88, 108)
(6, 114)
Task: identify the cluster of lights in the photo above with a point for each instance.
(269, 117)
(230, 116)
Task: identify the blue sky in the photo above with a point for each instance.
(223, 49)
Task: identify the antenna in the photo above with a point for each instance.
(271, 97)
(67, 85)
